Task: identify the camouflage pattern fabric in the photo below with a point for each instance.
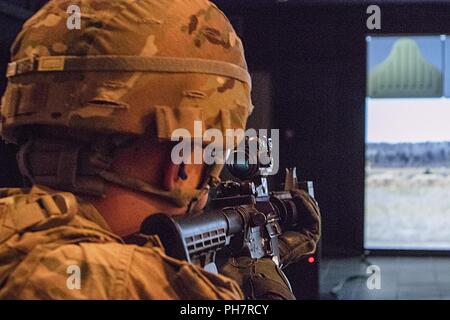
(35, 256)
(90, 104)
(128, 102)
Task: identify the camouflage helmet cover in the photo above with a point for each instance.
(133, 65)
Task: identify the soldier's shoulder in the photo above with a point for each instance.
(40, 207)
(14, 198)
(11, 192)
(38, 198)
(35, 190)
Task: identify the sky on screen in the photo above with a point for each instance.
(408, 120)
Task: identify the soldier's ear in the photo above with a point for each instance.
(171, 176)
(174, 172)
(182, 171)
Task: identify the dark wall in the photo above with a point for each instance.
(9, 173)
(316, 54)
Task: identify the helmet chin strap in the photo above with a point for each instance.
(180, 197)
(91, 177)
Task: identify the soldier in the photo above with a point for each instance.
(93, 110)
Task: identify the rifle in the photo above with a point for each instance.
(245, 218)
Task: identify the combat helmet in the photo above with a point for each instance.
(132, 68)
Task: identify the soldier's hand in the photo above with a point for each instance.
(294, 245)
(259, 279)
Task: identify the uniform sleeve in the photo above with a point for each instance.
(116, 271)
(176, 279)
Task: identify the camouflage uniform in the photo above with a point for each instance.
(43, 233)
(135, 68)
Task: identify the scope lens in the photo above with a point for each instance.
(241, 168)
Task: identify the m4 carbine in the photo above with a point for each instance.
(244, 219)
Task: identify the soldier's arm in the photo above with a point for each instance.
(116, 271)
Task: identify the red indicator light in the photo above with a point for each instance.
(311, 259)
